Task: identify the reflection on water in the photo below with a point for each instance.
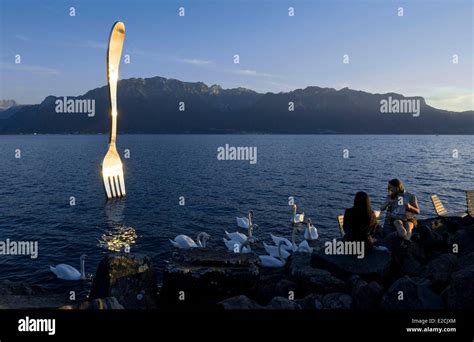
(119, 236)
(118, 239)
(114, 211)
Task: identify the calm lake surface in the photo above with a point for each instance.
(36, 189)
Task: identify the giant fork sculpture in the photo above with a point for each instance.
(112, 169)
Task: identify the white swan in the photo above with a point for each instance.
(240, 237)
(238, 247)
(303, 247)
(185, 242)
(273, 251)
(67, 272)
(236, 236)
(311, 233)
(244, 222)
(271, 261)
(286, 243)
(296, 218)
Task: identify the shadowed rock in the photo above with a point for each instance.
(375, 265)
(284, 287)
(337, 301)
(466, 261)
(464, 239)
(204, 276)
(367, 296)
(282, 303)
(239, 303)
(311, 302)
(130, 278)
(17, 295)
(439, 270)
(411, 294)
(460, 293)
(312, 280)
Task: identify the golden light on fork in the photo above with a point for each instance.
(112, 168)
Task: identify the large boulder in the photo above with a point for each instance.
(271, 283)
(408, 264)
(466, 261)
(459, 295)
(282, 303)
(130, 278)
(310, 279)
(374, 266)
(439, 270)
(241, 302)
(367, 296)
(411, 294)
(200, 276)
(284, 287)
(18, 295)
(429, 240)
(311, 302)
(464, 241)
(337, 301)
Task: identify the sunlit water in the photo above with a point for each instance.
(36, 189)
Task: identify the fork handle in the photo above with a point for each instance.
(114, 52)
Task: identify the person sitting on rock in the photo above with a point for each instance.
(402, 208)
(360, 222)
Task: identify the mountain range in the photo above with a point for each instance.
(152, 105)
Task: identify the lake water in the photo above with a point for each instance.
(35, 190)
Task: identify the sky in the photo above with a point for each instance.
(65, 55)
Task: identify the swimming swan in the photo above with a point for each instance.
(185, 242)
(244, 222)
(274, 252)
(303, 246)
(287, 245)
(238, 247)
(311, 233)
(67, 272)
(296, 218)
(240, 237)
(271, 261)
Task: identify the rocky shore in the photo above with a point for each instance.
(434, 272)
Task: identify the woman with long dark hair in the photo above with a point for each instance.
(360, 222)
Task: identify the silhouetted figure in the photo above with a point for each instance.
(360, 222)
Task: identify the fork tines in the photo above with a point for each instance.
(114, 185)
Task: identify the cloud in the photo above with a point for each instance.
(84, 44)
(210, 65)
(457, 100)
(195, 61)
(249, 72)
(33, 69)
(93, 45)
(245, 72)
(21, 37)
